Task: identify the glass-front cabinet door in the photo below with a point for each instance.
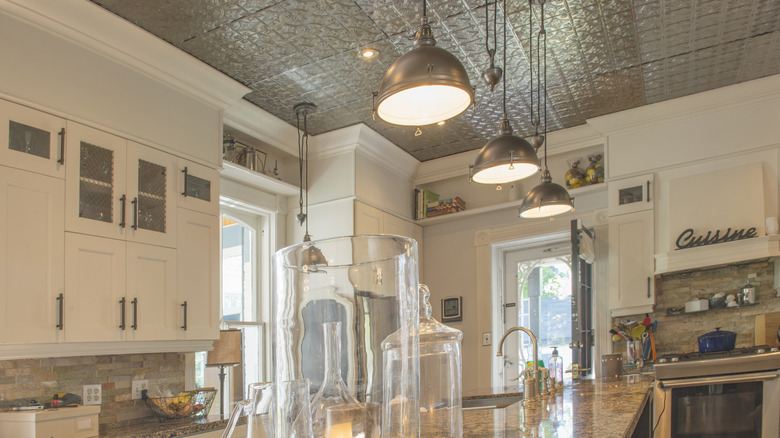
(198, 187)
(32, 140)
(151, 213)
(97, 203)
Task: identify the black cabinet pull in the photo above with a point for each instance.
(122, 313)
(135, 313)
(184, 193)
(60, 302)
(61, 160)
(123, 200)
(648, 190)
(648, 287)
(184, 305)
(135, 213)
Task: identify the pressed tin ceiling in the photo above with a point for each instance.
(604, 56)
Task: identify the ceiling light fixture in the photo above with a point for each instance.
(426, 85)
(368, 53)
(547, 198)
(507, 157)
(312, 256)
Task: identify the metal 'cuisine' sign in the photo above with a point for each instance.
(688, 239)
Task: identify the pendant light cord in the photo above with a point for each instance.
(531, 58)
(306, 165)
(300, 162)
(303, 167)
(503, 77)
(425, 10)
(495, 27)
(543, 33)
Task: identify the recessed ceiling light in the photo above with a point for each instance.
(368, 53)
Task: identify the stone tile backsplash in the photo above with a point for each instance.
(679, 333)
(39, 378)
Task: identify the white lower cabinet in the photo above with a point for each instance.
(32, 238)
(119, 290)
(198, 275)
(631, 264)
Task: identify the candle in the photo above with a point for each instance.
(340, 430)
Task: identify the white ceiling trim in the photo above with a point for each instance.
(91, 26)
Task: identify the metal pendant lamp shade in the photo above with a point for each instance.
(546, 199)
(505, 158)
(426, 85)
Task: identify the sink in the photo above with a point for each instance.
(490, 403)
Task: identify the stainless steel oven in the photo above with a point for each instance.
(718, 396)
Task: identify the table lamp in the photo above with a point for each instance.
(226, 352)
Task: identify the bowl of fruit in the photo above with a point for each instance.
(188, 404)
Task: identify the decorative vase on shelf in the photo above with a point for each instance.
(594, 174)
(575, 177)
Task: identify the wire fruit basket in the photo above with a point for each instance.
(190, 404)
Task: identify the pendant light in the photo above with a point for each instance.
(548, 198)
(424, 86)
(507, 157)
(311, 256)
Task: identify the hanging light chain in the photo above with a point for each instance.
(503, 77)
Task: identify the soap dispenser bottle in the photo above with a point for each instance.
(440, 375)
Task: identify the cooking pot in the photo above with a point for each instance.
(717, 341)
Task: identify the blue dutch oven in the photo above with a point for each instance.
(717, 341)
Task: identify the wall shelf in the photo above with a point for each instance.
(595, 188)
(257, 180)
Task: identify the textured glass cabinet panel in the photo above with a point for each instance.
(198, 188)
(96, 183)
(151, 196)
(28, 139)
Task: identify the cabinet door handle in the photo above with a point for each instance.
(123, 200)
(184, 305)
(60, 304)
(135, 213)
(184, 193)
(135, 313)
(648, 190)
(61, 160)
(648, 287)
(122, 313)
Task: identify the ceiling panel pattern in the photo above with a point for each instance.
(603, 56)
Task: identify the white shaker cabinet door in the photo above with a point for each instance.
(32, 140)
(32, 239)
(95, 284)
(198, 275)
(151, 293)
(631, 264)
(95, 183)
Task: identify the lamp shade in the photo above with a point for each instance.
(426, 85)
(227, 349)
(505, 158)
(546, 199)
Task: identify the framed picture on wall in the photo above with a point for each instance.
(451, 309)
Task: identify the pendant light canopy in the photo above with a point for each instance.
(548, 198)
(312, 256)
(424, 86)
(507, 157)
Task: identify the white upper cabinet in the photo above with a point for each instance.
(631, 264)
(32, 140)
(198, 187)
(119, 189)
(631, 194)
(32, 211)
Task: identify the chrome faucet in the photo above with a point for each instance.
(531, 386)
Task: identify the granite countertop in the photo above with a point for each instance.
(585, 409)
(167, 429)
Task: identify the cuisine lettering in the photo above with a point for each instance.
(687, 239)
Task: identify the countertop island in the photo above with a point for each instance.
(585, 409)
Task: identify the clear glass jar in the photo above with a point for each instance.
(369, 284)
(440, 375)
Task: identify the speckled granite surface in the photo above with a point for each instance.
(170, 429)
(588, 408)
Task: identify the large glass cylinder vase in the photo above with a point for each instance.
(368, 284)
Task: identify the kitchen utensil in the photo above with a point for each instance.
(647, 322)
(717, 341)
(637, 331)
(646, 344)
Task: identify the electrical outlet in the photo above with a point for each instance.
(93, 395)
(487, 339)
(138, 387)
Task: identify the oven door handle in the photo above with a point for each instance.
(719, 380)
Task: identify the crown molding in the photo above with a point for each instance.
(559, 142)
(688, 106)
(96, 29)
(262, 125)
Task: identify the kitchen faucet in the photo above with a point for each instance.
(530, 387)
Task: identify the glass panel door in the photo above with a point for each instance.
(152, 180)
(96, 182)
(718, 411)
(31, 140)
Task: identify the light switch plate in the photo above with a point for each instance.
(138, 387)
(92, 395)
(487, 339)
